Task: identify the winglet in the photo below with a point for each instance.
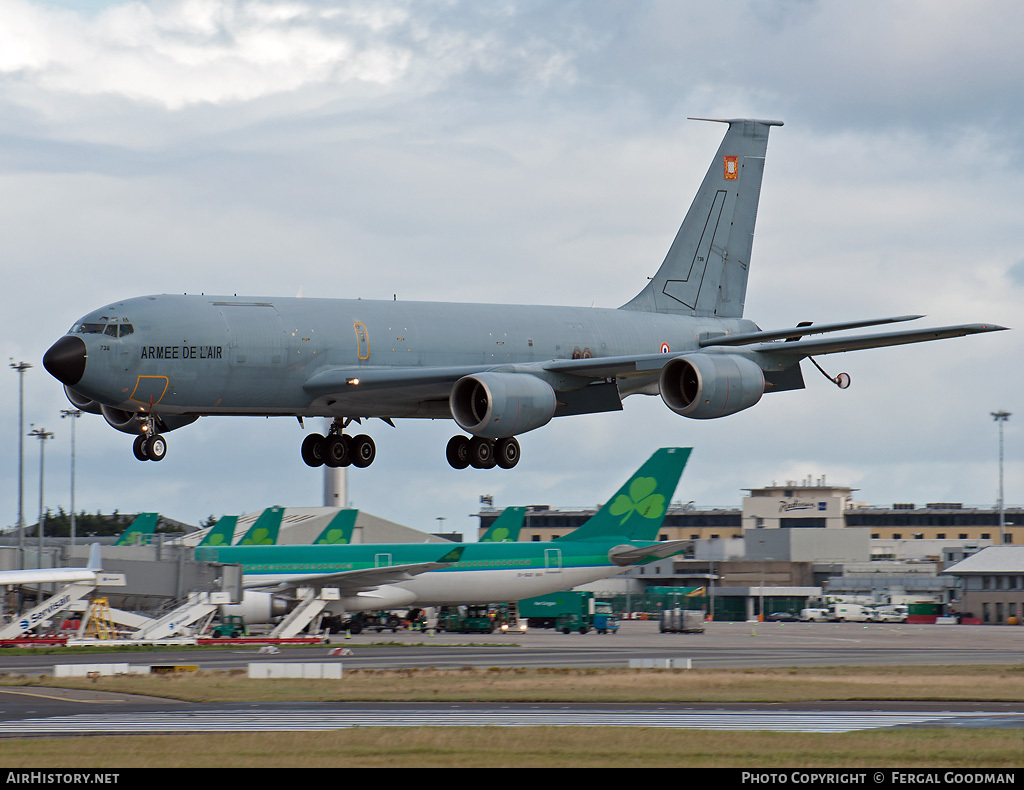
(95, 558)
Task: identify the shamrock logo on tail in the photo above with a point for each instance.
(333, 536)
(260, 537)
(641, 499)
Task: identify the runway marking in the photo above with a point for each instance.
(270, 721)
(62, 699)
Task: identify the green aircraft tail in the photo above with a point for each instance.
(143, 525)
(221, 533)
(506, 527)
(638, 510)
(340, 529)
(264, 530)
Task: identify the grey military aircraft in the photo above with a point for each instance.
(153, 364)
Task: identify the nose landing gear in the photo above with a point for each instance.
(150, 446)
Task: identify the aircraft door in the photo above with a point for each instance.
(362, 341)
(382, 560)
(552, 560)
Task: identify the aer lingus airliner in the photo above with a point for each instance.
(395, 575)
(152, 364)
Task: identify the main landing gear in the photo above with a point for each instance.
(337, 449)
(481, 453)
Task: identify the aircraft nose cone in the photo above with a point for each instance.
(65, 360)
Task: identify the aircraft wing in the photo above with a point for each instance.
(436, 382)
(62, 575)
(631, 555)
(806, 348)
(360, 580)
(335, 380)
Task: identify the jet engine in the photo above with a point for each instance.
(258, 608)
(79, 401)
(705, 386)
(131, 422)
(498, 405)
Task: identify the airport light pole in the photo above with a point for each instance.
(42, 435)
(74, 414)
(21, 367)
(1001, 418)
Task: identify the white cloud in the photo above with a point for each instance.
(520, 152)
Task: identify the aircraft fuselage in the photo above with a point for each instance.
(206, 355)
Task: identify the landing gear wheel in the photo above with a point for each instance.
(362, 451)
(313, 449)
(139, 448)
(155, 447)
(481, 453)
(506, 452)
(337, 450)
(458, 452)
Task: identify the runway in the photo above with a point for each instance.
(319, 717)
(40, 712)
(724, 645)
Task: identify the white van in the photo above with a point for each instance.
(851, 612)
(814, 615)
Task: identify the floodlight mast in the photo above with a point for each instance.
(1001, 418)
(20, 368)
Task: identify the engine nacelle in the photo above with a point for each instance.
(134, 423)
(705, 386)
(258, 608)
(81, 402)
(497, 405)
(387, 596)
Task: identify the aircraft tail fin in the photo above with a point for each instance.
(221, 533)
(340, 529)
(95, 558)
(506, 527)
(264, 530)
(638, 510)
(137, 532)
(705, 271)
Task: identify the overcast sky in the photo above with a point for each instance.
(521, 152)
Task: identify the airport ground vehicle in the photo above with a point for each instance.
(782, 617)
(230, 625)
(569, 611)
(682, 621)
(896, 613)
(814, 615)
(473, 619)
(566, 609)
(605, 621)
(850, 612)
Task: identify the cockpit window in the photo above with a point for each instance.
(90, 329)
(95, 328)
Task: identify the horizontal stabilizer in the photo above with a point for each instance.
(631, 555)
(807, 348)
